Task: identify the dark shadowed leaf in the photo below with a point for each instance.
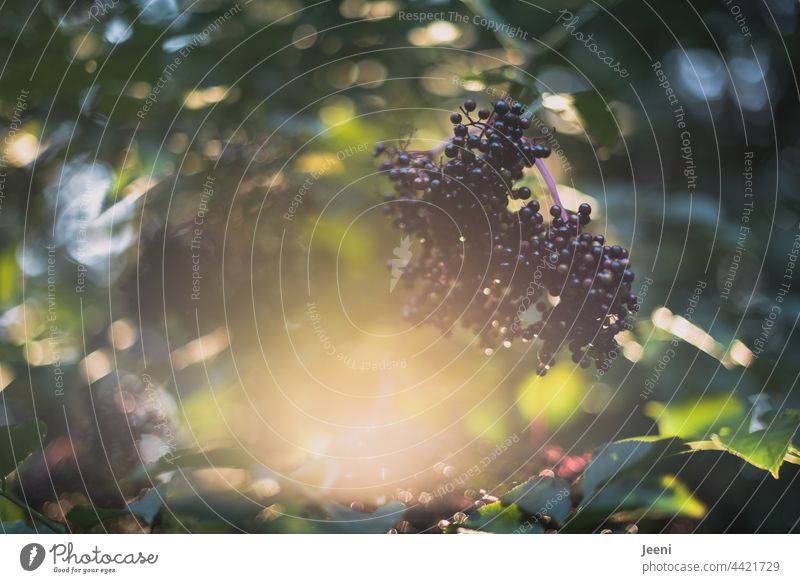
(620, 457)
(541, 496)
(599, 122)
(631, 499)
(87, 517)
(17, 442)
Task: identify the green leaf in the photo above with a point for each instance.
(766, 448)
(346, 520)
(620, 457)
(697, 419)
(87, 517)
(17, 442)
(541, 496)
(629, 499)
(598, 120)
(498, 518)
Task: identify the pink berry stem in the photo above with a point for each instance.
(551, 184)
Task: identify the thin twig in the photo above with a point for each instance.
(551, 184)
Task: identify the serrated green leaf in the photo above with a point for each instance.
(17, 442)
(697, 419)
(766, 448)
(541, 496)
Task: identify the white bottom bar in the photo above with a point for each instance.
(388, 558)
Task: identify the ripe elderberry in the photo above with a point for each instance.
(503, 271)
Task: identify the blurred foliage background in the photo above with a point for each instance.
(193, 257)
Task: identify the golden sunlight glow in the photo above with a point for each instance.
(443, 32)
(562, 113)
(265, 487)
(271, 512)
(139, 89)
(662, 318)
(632, 350)
(515, 57)
(95, 366)
(556, 102)
(383, 9)
(304, 36)
(354, 8)
(372, 72)
(200, 98)
(474, 85)
(20, 323)
(222, 478)
(34, 353)
(140, 186)
(680, 327)
(433, 34)
(201, 349)
(21, 149)
(122, 334)
(41, 353)
(739, 354)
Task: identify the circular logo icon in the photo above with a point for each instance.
(31, 556)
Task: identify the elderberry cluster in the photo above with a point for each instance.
(489, 260)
